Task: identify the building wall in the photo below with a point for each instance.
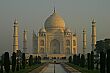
(68, 43)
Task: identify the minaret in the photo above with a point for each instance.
(15, 36)
(93, 34)
(84, 40)
(25, 41)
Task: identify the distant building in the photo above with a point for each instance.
(54, 40)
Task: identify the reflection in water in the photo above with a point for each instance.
(58, 69)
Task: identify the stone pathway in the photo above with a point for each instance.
(58, 69)
(70, 69)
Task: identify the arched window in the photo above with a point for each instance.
(74, 49)
(67, 42)
(41, 50)
(67, 50)
(55, 46)
(42, 34)
(74, 43)
(41, 42)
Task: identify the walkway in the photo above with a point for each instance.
(55, 68)
(58, 69)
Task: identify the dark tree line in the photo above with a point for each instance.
(17, 62)
(82, 62)
(103, 48)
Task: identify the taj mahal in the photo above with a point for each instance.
(54, 39)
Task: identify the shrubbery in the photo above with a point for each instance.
(6, 62)
(23, 60)
(13, 61)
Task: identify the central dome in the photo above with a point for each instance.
(54, 21)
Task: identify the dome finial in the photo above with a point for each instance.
(54, 9)
(93, 21)
(15, 21)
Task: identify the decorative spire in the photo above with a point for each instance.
(84, 29)
(84, 40)
(25, 41)
(93, 21)
(15, 36)
(15, 21)
(54, 8)
(33, 32)
(75, 32)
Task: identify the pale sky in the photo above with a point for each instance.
(31, 14)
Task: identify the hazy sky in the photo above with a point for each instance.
(31, 14)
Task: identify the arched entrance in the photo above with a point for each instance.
(55, 46)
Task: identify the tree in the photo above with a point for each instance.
(107, 44)
(100, 46)
(75, 59)
(78, 60)
(70, 59)
(1, 70)
(30, 60)
(108, 61)
(39, 60)
(23, 60)
(6, 62)
(82, 63)
(92, 60)
(89, 60)
(13, 61)
(36, 60)
(17, 67)
(102, 62)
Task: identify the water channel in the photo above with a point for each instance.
(54, 68)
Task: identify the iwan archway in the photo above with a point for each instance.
(55, 46)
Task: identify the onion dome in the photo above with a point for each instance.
(42, 30)
(67, 30)
(54, 21)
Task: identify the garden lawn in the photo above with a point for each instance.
(83, 70)
(27, 69)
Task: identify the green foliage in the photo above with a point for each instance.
(28, 68)
(13, 61)
(99, 46)
(75, 59)
(102, 62)
(6, 62)
(88, 60)
(1, 63)
(82, 61)
(108, 61)
(39, 60)
(1, 70)
(92, 60)
(78, 60)
(30, 60)
(102, 45)
(23, 60)
(36, 59)
(17, 67)
(70, 59)
(82, 69)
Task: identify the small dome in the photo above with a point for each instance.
(42, 30)
(54, 21)
(67, 30)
